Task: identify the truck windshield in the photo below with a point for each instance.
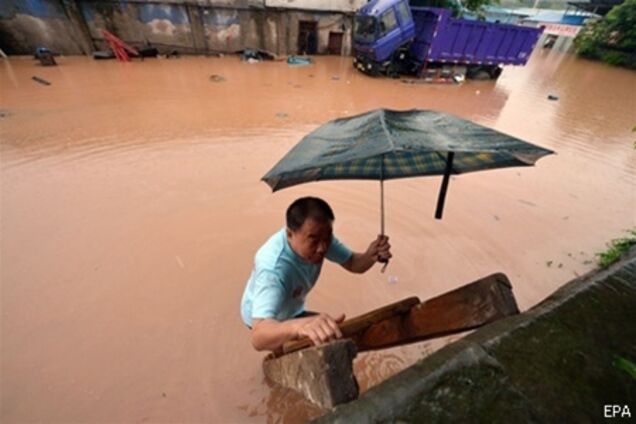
(364, 29)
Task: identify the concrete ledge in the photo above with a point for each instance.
(553, 363)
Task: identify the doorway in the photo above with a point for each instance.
(335, 43)
(307, 37)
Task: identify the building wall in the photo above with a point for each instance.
(28, 24)
(194, 26)
(324, 5)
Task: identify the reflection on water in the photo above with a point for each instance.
(131, 208)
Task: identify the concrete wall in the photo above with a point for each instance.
(562, 361)
(28, 24)
(195, 26)
(327, 5)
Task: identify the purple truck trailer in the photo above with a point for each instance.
(392, 38)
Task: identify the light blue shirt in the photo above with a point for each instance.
(281, 279)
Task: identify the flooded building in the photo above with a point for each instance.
(197, 26)
(560, 27)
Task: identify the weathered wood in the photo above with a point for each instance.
(462, 309)
(358, 324)
(323, 374)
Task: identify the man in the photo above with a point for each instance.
(286, 268)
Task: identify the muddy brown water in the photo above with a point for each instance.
(131, 209)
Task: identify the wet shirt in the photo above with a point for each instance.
(281, 279)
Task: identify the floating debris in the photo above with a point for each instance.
(298, 61)
(45, 56)
(172, 54)
(256, 54)
(217, 78)
(552, 97)
(281, 115)
(335, 77)
(40, 80)
(103, 54)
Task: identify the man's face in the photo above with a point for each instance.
(312, 240)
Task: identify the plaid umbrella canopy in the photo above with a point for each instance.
(385, 144)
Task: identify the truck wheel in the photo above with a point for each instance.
(494, 72)
(479, 74)
(392, 71)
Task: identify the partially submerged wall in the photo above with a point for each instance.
(74, 26)
(562, 361)
(26, 25)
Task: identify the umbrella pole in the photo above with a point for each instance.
(382, 207)
(442, 190)
(385, 261)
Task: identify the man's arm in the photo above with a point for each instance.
(270, 334)
(361, 262)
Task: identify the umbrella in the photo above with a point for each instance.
(385, 144)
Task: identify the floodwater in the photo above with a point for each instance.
(131, 209)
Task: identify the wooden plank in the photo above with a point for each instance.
(468, 307)
(323, 374)
(358, 324)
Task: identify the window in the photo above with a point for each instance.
(364, 29)
(403, 12)
(387, 21)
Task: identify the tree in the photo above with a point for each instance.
(612, 39)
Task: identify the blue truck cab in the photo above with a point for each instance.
(381, 28)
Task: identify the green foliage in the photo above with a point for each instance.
(475, 5)
(616, 248)
(612, 39)
(626, 365)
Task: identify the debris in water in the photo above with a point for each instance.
(216, 78)
(459, 78)
(298, 61)
(281, 115)
(549, 264)
(40, 80)
(45, 56)
(335, 77)
(552, 97)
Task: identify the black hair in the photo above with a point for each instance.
(307, 207)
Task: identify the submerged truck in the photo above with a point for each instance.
(391, 38)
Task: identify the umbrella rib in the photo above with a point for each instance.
(386, 130)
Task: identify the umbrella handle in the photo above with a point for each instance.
(385, 262)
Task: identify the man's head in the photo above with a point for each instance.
(309, 228)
